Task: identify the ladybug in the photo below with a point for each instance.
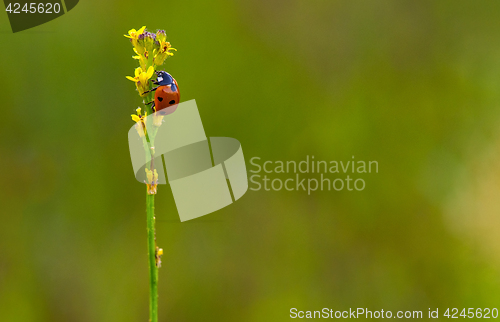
(166, 93)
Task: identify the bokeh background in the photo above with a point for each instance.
(412, 85)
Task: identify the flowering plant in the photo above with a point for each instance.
(151, 50)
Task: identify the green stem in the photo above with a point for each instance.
(153, 269)
(150, 214)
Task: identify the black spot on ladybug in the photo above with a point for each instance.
(171, 102)
(160, 98)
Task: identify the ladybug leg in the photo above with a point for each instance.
(155, 81)
(152, 106)
(151, 90)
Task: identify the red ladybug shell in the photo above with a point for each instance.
(165, 97)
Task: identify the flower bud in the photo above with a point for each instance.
(161, 35)
(157, 119)
(149, 175)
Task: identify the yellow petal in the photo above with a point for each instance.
(136, 118)
(137, 71)
(140, 31)
(131, 78)
(142, 78)
(136, 57)
(151, 70)
(127, 36)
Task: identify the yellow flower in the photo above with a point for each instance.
(163, 52)
(134, 35)
(157, 119)
(142, 58)
(145, 76)
(140, 126)
(136, 118)
(141, 79)
(152, 181)
(165, 47)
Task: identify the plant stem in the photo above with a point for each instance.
(153, 269)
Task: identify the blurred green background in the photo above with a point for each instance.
(412, 85)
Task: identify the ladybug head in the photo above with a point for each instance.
(163, 78)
